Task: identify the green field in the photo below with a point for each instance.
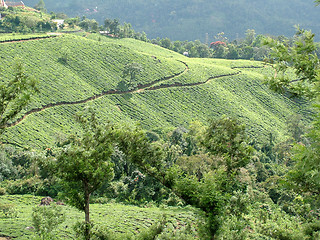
(118, 218)
(170, 91)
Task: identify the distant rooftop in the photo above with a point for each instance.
(13, 3)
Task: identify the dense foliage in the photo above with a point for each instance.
(25, 20)
(303, 58)
(14, 96)
(240, 200)
(250, 47)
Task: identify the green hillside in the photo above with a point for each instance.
(170, 91)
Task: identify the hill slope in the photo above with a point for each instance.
(192, 19)
(171, 90)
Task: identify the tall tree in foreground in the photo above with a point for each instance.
(302, 58)
(84, 164)
(15, 95)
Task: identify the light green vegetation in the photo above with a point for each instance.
(71, 68)
(118, 218)
(74, 71)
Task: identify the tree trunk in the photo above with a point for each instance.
(87, 210)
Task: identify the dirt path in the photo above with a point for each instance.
(29, 39)
(191, 84)
(138, 89)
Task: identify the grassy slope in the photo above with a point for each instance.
(199, 90)
(119, 218)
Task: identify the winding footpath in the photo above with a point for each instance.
(138, 89)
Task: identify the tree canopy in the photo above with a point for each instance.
(84, 163)
(302, 58)
(15, 95)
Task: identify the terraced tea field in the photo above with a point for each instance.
(118, 218)
(170, 91)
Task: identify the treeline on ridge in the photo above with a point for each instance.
(253, 46)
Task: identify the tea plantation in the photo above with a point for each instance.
(170, 90)
(192, 152)
(123, 220)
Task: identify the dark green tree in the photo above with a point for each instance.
(107, 23)
(115, 27)
(132, 69)
(177, 46)
(211, 184)
(126, 31)
(226, 138)
(166, 43)
(305, 175)
(233, 52)
(15, 96)
(296, 128)
(84, 163)
(72, 22)
(302, 58)
(89, 25)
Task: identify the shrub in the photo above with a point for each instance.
(313, 229)
(154, 230)
(2, 191)
(96, 232)
(103, 233)
(82, 229)
(24, 186)
(8, 210)
(232, 228)
(46, 219)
